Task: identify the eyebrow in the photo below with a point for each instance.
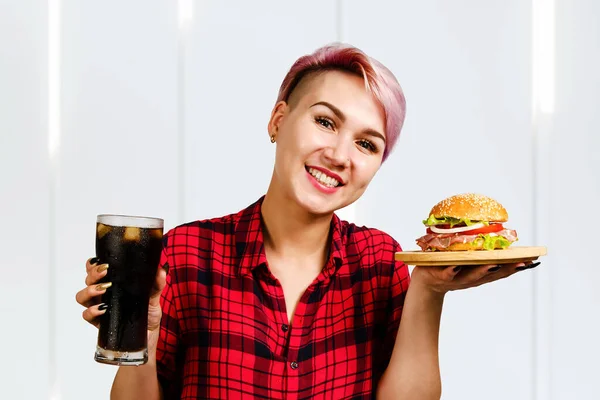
(342, 118)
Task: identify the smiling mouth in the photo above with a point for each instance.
(323, 179)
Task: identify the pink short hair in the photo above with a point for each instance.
(379, 80)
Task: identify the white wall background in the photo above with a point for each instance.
(160, 108)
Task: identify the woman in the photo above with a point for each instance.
(283, 299)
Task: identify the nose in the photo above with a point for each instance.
(338, 153)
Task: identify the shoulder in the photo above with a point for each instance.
(219, 229)
(368, 247)
(368, 238)
(221, 224)
(200, 234)
(372, 249)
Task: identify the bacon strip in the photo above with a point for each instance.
(441, 241)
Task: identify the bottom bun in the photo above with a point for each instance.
(476, 245)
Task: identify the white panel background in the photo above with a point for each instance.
(574, 166)
(24, 201)
(467, 129)
(118, 151)
(162, 121)
(231, 84)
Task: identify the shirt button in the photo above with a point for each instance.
(294, 365)
(285, 328)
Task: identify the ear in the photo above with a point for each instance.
(277, 115)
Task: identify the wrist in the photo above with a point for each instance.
(420, 285)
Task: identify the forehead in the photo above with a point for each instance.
(346, 91)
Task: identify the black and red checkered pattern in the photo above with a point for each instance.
(224, 331)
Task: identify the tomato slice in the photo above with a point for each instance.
(486, 229)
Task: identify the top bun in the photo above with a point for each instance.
(474, 207)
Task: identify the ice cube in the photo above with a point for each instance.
(102, 230)
(132, 233)
(157, 233)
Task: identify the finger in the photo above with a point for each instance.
(96, 273)
(491, 273)
(504, 272)
(516, 267)
(91, 314)
(91, 263)
(476, 273)
(154, 309)
(533, 265)
(450, 273)
(524, 266)
(89, 296)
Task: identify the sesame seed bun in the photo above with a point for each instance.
(474, 207)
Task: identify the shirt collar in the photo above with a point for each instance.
(249, 241)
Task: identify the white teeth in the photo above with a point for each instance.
(323, 179)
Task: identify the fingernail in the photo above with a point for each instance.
(103, 286)
(494, 269)
(457, 269)
(94, 260)
(102, 306)
(535, 264)
(521, 268)
(101, 268)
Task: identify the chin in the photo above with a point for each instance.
(317, 205)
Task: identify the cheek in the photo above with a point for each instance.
(304, 138)
(365, 171)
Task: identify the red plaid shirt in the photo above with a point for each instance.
(224, 331)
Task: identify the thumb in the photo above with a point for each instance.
(159, 285)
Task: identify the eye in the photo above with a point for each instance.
(325, 122)
(367, 144)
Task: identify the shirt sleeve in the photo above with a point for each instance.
(398, 286)
(169, 337)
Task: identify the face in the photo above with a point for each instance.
(330, 139)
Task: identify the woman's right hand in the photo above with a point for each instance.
(90, 296)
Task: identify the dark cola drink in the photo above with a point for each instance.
(131, 246)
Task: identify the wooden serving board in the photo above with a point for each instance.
(513, 254)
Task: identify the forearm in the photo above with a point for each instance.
(138, 382)
(413, 371)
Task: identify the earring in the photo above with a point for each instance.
(272, 138)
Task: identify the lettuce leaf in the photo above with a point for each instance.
(491, 242)
(450, 221)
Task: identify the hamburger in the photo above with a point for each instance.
(467, 222)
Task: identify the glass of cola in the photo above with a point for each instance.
(131, 246)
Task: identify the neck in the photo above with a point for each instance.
(291, 232)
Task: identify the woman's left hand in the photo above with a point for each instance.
(446, 279)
